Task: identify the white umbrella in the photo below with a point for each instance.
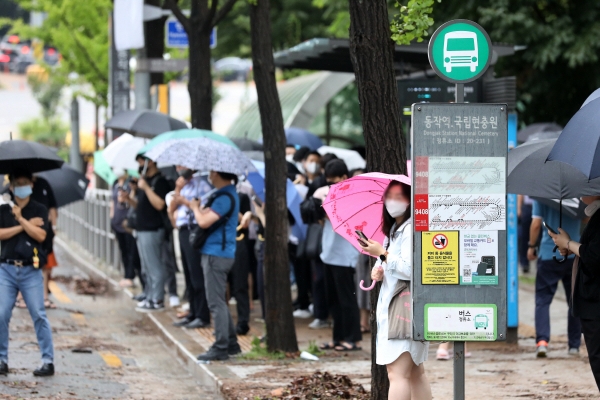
(352, 158)
(202, 154)
(121, 152)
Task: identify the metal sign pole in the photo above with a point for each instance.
(459, 347)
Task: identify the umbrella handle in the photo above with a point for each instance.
(366, 289)
(556, 258)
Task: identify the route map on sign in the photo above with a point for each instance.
(460, 175)
(467, 212)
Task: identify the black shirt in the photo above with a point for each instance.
(317, 183)
(148, 217)
(20, 247)
(586, 297)
(244, 208)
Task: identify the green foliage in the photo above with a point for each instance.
(259, 351)
(79, 30)
(48, 93)
(48, 132)
(413, 21)
(313, 349)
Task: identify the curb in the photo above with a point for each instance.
(199, 371)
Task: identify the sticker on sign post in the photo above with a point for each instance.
(478, 257)
(439, 257)
(461, 322)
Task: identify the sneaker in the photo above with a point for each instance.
(46, 369)
(139, 297)
(3, 368)
(303, 314)
(242, 329)
(542, 349)
(196, 324)
(158, 305)
(574, 352)
(174, 301)
(182, 322)
(150, 306)
(234, 350)
(311, 308)
(213, 355)
(141, 303)
(319, 324)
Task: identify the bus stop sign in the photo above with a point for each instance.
(460, 51)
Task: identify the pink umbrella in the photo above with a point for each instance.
(357, 204)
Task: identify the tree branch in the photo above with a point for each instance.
(183, 20)
(223, 12)
(211, 14)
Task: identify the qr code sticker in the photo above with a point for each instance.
(467, 273)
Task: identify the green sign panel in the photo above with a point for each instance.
(460, 51)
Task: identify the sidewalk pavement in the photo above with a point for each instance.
(503, 370)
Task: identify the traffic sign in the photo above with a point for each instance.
(460, 51)
(176, 36)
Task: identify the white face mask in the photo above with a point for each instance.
(289, 158)
(312, 167)
(396, 208)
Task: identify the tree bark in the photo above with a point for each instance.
(154, 32)
(281, 333)
(372, 54)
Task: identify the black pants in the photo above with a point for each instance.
(524, 225)
(253, 266)
(129, 256)
(303, 274)
(341, 296)
(260, 274)
(194, 277)
(238, 280)
(591, 334)
(320, 304)
(168, 259)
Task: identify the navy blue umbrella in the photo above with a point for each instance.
(578, 144)
(303, 138)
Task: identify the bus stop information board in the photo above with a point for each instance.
(459, 196)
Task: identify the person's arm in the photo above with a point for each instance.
(37, 233)
(157, 201)
(520, 199)
(534, 234)
(7, 233)
(205, 217)
(53, 216)
(111, 211)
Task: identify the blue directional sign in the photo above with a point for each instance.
(176, 36)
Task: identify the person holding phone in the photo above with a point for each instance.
(403, 358)
(586, 286)
(550, 273)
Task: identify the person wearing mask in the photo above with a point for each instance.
(148, 199)
(403, 358)
(315, 178)
(23, 230)
(127, 246)
(586, 286)
(339, 258)
(549, 273)
(190, 186)
(220, 218)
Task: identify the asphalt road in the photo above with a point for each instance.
(103, 350)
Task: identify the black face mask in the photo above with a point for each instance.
(186, 173)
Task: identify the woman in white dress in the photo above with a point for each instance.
(403, 358)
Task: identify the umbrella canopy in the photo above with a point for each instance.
(577, 145)
(121, 152)
(591, 97)
(255, 155)
(68, 184)
(144, 122)
(529, 130)
(530, 174)
(202, 154)
(357, 204)
(543, 136)
(573, 208)
(352, 158)
(102, 169)
(185, 134)
(302, 137)
(32, 156)
(247, 144)
(293, 198)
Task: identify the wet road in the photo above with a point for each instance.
(103, 350)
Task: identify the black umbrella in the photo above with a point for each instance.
(247, 145)
(68, 184)
(144, 123)
(523, 134)
(32, 156)
(255, 155)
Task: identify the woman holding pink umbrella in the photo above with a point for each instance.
(395, 348)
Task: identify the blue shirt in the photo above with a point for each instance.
(214, 243)
(337, 250)
(196, 187)
(552, 218)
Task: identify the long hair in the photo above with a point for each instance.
(387, 220)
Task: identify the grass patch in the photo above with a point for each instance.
(259, 351)
(530, 280)
(313, 349)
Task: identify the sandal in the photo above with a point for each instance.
(329, 346)
(20, 304)
(442, 355)
(347, 346)
(364, 329)
(49, 304)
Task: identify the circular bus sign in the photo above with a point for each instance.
(460, 51)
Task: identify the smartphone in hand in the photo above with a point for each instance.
(549, 228)
(363, 240)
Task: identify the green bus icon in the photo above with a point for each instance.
(481, 321)
(460, 50)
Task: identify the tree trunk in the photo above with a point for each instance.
(281, 334)
(154, 33)
(372, 54)
(200, 78)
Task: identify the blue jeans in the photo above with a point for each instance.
(549, 273)
(30, 283)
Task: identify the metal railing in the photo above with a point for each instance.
(87, 223)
